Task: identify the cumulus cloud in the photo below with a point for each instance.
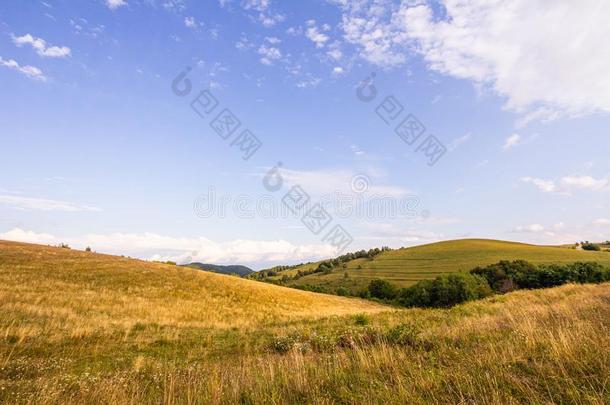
(316, 34)
(152, 246)
(543, 57)
(568, 184)
(31, 72)
(191, 22)
(266, 16)
(40, 46)
(114, 4)
(338, 71)
(366, 24)
(269, 54)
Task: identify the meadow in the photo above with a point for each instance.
(79, 327)
(404, 267)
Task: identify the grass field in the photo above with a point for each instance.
(85, 328)
(406, 266)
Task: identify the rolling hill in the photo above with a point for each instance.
(46, 282)
(241, 271)
(85, 328)
(406, 266)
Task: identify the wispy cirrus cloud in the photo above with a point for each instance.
(42, 204)
(569, 184)
(512, 141)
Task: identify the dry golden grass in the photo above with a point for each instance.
(86, 291)
(102, 330)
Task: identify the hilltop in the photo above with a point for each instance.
(239, 270)
(406, 266)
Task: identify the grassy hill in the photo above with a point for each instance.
(406, 266)
(84, 328)
(241, 271)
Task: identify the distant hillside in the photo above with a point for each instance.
(406, 266)
(216, 268)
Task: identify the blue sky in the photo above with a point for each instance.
(97, 149)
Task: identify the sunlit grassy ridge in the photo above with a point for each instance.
(82, 328)
(91, 291)
(406, 266)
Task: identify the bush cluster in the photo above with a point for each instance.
(505, 276)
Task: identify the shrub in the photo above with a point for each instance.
(590, 246)
(342, 292)
(404, 334)
(87, 249)
(506, 276)
(283, 344)
(382, 289)
(362, 319)
(445, 291)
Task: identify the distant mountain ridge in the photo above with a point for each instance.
(241, 271)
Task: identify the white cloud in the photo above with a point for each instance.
(366, 24)
(584, 183)
(269, 54)
(114, 4)
(258, 5)
(334, 51)
(338, 71)
(190, 22)
(568, 184)
(294, 31)
(273, 40)
(533, 228)
(316, 35)
(542, 230)
(152, 246)
(460, 141)
(41, 204)
(174, 5)
(331, 181)
(512, 141)
(40, 46)
(27, 70)
(265, 16)
(602, 221)
(270, 19)
(548, 186)
(522, 48)
(544, 57)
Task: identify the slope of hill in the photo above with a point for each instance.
(84, 328)
(42, 282)
(406, 266)
(241, 271)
